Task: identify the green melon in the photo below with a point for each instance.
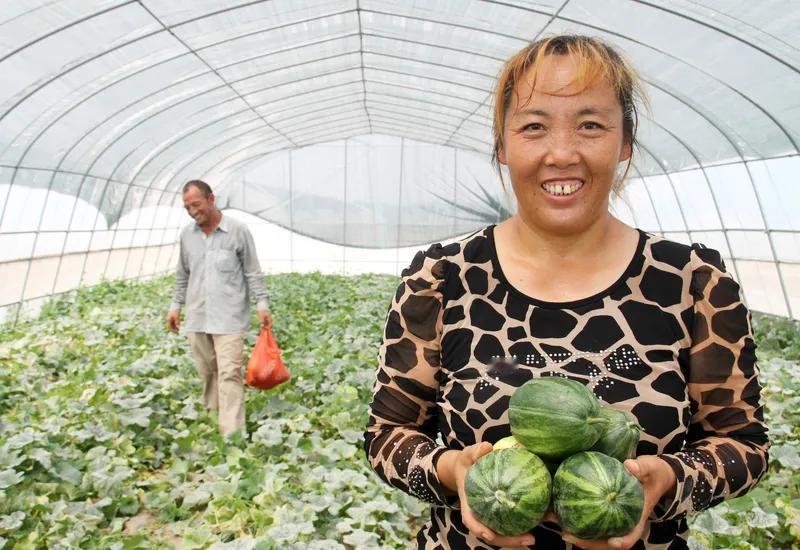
(512, 442)
(509, 442)
(555, 417)
(595, 497)
(621, 435)
(508, 490)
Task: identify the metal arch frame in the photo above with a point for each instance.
(417, 110)
(376, 52)
(168, 30)
(68, 172)
(97, 217)
(712, 77)
(650, 200)
(382, 118)
(156, 92)
(190, 98)
(751, 184)
(71, 24)
(721, 31)
(211, 71)
(69, 224)
(159, 200)
(328, 137)
(165, 88)
(747, 24)
(166, 166)
(677, 200)
(260, 31)
(446, 24)
(662, 8)
(553, 17)
(363, 81)
(736, 148)
(667, 92)
(260, 155)
(152, 115)
(375, 68)
(97, 158)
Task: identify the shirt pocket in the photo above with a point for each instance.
(226, 260)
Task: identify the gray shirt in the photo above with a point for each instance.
(216, 276)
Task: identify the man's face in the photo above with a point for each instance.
(200, 208)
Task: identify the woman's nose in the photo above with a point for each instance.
(562, 149)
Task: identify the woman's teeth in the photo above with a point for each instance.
(562, 188)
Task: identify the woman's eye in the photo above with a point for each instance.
(533, 126)
(590, 125)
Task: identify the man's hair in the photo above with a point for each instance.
(204, 188)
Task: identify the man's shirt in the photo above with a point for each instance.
(216, 276)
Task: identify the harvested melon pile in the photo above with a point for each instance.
(566, 452)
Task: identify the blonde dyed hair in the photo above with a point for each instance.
(595, 60)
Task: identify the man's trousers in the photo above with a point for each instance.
(218, 358)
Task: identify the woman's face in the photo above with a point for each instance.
(562, 146)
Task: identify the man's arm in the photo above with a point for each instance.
(179, 294)
(255, 277)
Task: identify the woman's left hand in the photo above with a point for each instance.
(657, 479)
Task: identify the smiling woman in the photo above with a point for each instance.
(563, 288)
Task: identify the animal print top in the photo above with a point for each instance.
(670, 341)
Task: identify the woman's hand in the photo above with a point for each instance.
(657, 479)
(452, 469)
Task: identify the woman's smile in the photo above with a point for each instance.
(562, 188)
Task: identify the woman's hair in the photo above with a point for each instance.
(595, 59)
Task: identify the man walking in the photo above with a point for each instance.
(217, 273)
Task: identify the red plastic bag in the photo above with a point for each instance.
(265, 369)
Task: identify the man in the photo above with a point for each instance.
(217, 273)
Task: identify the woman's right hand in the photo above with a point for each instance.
(452, 469)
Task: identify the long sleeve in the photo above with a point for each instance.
(726, 448)
(252, 271)
(400, 437)
(181, 278)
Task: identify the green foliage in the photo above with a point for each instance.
(777, 337)
(104, 443)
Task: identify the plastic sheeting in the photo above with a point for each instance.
(367, 123)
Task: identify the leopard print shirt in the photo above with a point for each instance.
(670, 342)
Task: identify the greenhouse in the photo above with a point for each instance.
(352, 146)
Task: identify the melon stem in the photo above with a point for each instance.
(501, 497)
(611, 497)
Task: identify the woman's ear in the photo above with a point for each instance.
(501, 155)
(627, 150)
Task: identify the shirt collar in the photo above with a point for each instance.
(222, 226)
(223, 223)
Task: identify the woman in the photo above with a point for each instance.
(653, 327)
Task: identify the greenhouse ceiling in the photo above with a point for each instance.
(149, 93)
(367, 123)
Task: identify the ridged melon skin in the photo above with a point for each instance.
(555, 417)
(621, 435)
(595, 497)
(509, 490)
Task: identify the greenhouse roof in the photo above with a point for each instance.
(367, 123)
